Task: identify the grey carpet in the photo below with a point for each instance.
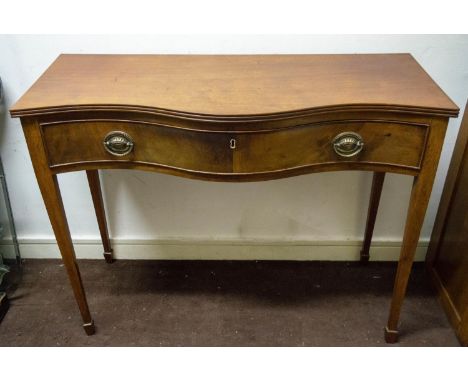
(220, 303)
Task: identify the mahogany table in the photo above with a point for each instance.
(236, 118)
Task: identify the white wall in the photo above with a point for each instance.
(329, 206)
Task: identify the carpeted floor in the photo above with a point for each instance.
(220, 303)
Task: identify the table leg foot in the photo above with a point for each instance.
(376, 191)
(391, 336)
(89, 328)
(109, 256)
(364, 259)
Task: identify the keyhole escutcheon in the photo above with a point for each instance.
(232, 143)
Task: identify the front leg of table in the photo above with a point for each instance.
(96, 193)
(50, 191)
(374, 200)
(420, 194)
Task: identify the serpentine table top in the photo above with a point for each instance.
(235, 86)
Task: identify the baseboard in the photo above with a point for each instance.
(183, 249)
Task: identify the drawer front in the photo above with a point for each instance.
(78, 142)
(397, 145)
(387, 143)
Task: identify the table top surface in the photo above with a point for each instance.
(235, 85)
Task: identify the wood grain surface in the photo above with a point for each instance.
(235, 85)
(396, 147)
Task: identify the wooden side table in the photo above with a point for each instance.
(236, 118)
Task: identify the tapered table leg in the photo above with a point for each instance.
(420, 194)
(53, 201)
(376, 191)
(96, 193)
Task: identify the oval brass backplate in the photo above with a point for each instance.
(118, 143)
(348, 144)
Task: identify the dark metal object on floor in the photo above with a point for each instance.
(4, 305)
(6, 216)
(8, 237)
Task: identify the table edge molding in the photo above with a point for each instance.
(429, 111)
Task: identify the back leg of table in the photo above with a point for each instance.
(376, 191)
(96, 193)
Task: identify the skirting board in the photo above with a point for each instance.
(183, 249)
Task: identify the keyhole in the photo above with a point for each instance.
(232, 143)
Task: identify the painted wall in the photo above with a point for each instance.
(329, 206)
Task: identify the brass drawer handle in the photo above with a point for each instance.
(118, 143)
(348, 144)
